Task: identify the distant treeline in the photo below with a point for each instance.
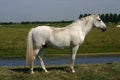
(35, 22)
(109, 17)
(44, 22)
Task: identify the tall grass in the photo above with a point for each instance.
(13, 40)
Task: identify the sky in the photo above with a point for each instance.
(53, 10)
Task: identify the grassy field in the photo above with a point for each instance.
(83, 72)
(13, 40)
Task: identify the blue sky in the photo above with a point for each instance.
(53, 10)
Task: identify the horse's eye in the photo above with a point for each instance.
(99, 20)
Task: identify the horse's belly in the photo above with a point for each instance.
(59, 44)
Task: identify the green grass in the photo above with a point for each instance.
(13, 40)
(83, 72)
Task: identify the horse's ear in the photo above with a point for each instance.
(95, 15)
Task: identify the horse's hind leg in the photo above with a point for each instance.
(36, 51)
(41, 60)
(31, 68)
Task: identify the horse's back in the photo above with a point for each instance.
(42, 28)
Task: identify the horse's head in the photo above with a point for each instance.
(99, 23)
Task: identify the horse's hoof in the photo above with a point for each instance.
(46, 71)
(73, 71)
(32, 73)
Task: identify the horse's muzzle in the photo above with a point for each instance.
(103, 29)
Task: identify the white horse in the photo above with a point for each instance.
(71, 36)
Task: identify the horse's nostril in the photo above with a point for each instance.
(103, 29)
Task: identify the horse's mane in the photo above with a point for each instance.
(86, 19)
(81, 20)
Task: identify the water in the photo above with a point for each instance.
(62, 61)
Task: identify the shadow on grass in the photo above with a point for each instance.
(39, 69)
(20, 70)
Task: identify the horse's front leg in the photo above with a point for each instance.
(73, 55)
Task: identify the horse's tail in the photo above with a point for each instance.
(30, 52)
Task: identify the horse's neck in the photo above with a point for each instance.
(83, 26)
(86, 28)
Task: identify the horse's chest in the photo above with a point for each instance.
(77, 39)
